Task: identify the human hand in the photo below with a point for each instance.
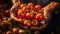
(14, 8)
(46, 20)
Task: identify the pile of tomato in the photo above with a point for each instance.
(30, 14)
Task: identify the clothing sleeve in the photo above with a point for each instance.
(56, 0)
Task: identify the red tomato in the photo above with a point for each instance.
(34, 22)
(39, 16)
(20, 14)
(27, 10)
(8, 32)
(22, 5)
(27, 23)
(29, 16)
(38, 7)
(4, 18)
(24, 8)
(15, 30)
(30, 5)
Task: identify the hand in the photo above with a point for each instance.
(13, 9)
(47, 17)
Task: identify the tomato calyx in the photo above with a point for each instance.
(34, 22)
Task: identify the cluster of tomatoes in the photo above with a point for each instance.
(30, 14)
(8, 27)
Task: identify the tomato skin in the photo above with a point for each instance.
(24, 8)
(38, 7)
(20, 14)
(39, 17)
(27, 23)
(27, 10)
(29, 16)
(8, 32)
(34, 22)
(22, 5)
(15, 30)
(30, 5)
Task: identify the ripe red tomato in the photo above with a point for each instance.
(22, 5)
(27, 23)
(15, 30)
(39, 16)
(29, 16)
(30, 5)
(34, 22)
(27, 10)
(20, 14)
(8, 32)
(4, 19)
(24, 8)
(38, 7)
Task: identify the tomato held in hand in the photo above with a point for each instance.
(38, 7)
(34, 22)
(27, 23)
(29, 16)
(30, 5)
(22, 5)
(39, 17)
(20, 14)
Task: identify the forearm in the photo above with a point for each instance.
(52, 6)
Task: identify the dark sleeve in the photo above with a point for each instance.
(56, 0)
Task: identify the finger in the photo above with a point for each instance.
(42, 9)
(15, 1)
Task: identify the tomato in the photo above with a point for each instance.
(39, 16)
(8, 32)
(27, 23)
(29, 16)
(20, 14)
(4, 18)
(27, 10)
(30, 5)
(24, 8)
(34, 22)
(15, 30)
(38, 7)
(22, 5)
